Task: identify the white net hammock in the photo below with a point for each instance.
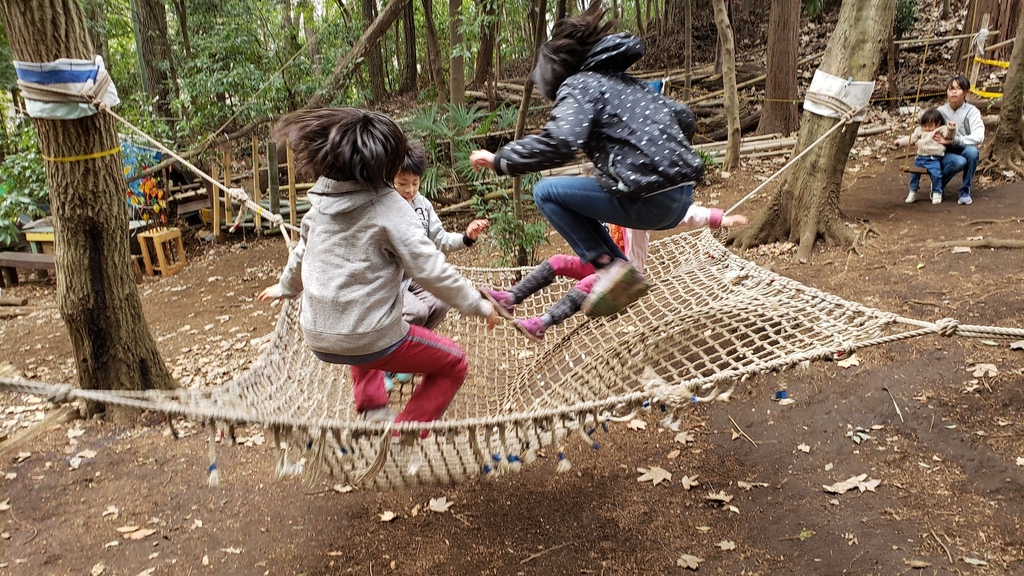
(711, 320)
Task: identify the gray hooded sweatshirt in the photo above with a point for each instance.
(355, 244)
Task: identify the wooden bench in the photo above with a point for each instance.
(11, 261)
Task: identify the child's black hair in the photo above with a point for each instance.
(345, 144)
(932, 116)
(571, 41)
(960, 81)
(415, 159)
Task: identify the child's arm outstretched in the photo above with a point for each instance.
(289, 285)
(907, 140)
(452, 241)
(714, 218)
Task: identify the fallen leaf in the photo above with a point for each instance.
(231, 550)
(140, 534)
(961, 250)
(726, 545)
(804, 448)
(147, 572)
(673, 455)
(387, 516)
(805, 534)
(688, 561)
(637, 424)
(732, 509)
(689, 482)
(719, 497)
(342, 489)
(847, 362)
(918, 564)
(1018, 345)
(1020, 461)
(334, 554)
(860, 482)
(684, 438)
(206, 560)
(87, 454)
(415, 511)
(920, 265)
(97, 569)
(110, 511)
(654, 474)
(749, 485)
(112, 544)
(829, 466)
(22, 456)
(703, 529)
(990, 343)
(5, 505)
(440, 504)
(127, 529)
(982, 370)
(76, 432)
(10, 475)
(975, 561)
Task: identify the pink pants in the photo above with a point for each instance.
(442, 363)
(575, 268)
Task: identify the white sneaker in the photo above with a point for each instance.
(936, 198)
(912, 197)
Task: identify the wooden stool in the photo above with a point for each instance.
(170, 252)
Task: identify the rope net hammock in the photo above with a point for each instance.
(711, 320)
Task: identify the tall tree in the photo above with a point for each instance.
(96, 292)
(457, 63)
(305, 8)
(780, 113)
(149, 18)
(1005, 150)
(96, 16)
(732, 101)
(806, 203)
(488, 33)
(181, 11)
(409, 64)
(434, 52)
(374, 57)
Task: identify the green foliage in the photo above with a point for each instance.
(709, 159)
(7, 76)
(454, 132)
(23, 189)
(906, 15)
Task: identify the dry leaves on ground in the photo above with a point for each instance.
(654, 474)
(688, 561)
(860, 482)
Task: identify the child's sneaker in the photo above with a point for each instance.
(936, 197)
(532, 327)
(391, 379)
(502, 302)
(912, 197)
(618, 285)
(382, 414)
(965, 197)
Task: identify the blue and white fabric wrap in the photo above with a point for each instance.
(86, 78)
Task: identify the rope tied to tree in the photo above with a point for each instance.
(65, 89)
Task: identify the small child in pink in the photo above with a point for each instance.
(636, 244)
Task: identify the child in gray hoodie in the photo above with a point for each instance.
(358, 241)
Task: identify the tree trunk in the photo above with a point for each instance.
(374, 58)
(181, 10)
(780, 113)
(305, 8)
(732, 101)
(96, 292)
(149, 18)
(518, 210)
(1006, 150)
(457, 64)
(96, 15)
(559, 10)
(806, 203)
(409, 63)
(434, 53)
(488, 33)
(336, 83)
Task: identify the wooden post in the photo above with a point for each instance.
(215, 206)
(256, 182)
(688, 37)
(293, 211)
(273, 179)
(227, 184)
(976, 66)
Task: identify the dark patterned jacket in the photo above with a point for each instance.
(638, 140)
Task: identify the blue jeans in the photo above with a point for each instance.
(959, 158)
(933, 164)
(575, 206)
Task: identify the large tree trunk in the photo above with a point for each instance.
(434, 53)
(96, 292)
(457, 64)
(409, 63)
(1005, 151)
(806, 203)
(732, 101)
(149, 18)
(488, 32)
(374, 58)
(1003, 16)
(780, 113)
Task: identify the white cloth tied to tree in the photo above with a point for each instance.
(832, 97)
(65, 89)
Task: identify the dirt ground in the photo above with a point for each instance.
(946, 446)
